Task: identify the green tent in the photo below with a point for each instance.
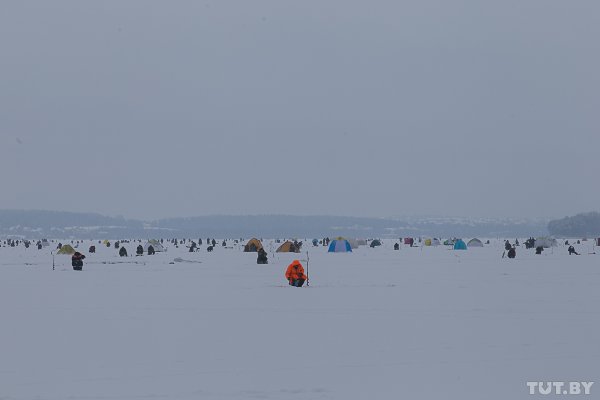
(67, 249)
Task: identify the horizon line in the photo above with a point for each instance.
(389, 217)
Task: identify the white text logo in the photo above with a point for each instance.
(559, 387)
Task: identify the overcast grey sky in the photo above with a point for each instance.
(367, 108)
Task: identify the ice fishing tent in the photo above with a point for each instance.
(432, 242)
(375, 243)
(340, 245)
(67, 249)
(409, 241)
(253, 245)
(545, 242)
(598, 242)
(460, 245)
(475, 243)
(354, 243)
(158, 247)
(288, 247)
(449, 242)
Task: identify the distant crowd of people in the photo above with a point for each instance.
(294, 273)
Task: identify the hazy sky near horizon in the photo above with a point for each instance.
(150, 109)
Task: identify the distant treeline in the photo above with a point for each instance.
(580, 225)
(54, 224)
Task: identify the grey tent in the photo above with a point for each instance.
(475, 243)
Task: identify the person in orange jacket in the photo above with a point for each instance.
(295, 274)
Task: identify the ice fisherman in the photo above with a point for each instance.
(512, 253)
(262, 257)
(77, 261)
(295, 274)
(572, 251)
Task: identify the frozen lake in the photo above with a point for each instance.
(418, 323)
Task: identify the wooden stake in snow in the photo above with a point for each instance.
(307, 260)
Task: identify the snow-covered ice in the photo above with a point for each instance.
(418, 323)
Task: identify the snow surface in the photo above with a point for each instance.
(418, 323)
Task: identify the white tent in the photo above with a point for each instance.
(545, 242)
(354, 243)
(158, 247)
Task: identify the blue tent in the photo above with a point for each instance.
(460, 245)
(339, 246)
